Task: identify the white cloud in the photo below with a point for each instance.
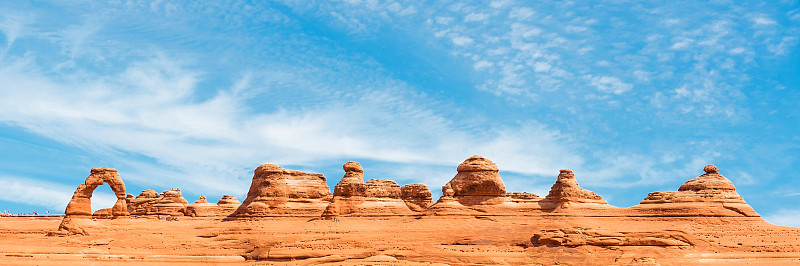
(762, 21)
(737, 50)
(541, 67)
(474, 17)
(148, 110)
(444, 20)
(482, 64)
(785, 217)
(610, 84)
(522, 13)
(13, 25)
(461, 40)
(641, 75)
(682, 44)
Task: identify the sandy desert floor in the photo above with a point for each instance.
(453, 240)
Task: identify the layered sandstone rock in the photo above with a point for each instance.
(709, 194)
(476, 186)
(202, 208)
(149, 202)
(279, 192)
(171, 202)
(81, 204)
(477, 177)
(143, 203)
(416, 196)
(566, 193)
(376, 197)
(579, 236)
(102, 213)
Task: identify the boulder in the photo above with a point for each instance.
(280, 192)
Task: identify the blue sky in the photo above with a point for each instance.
(633, 96)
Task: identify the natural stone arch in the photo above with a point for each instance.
(81, 203)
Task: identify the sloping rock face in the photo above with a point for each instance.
(81, 204)
(566, 193)
(149, 202)
(279, 192)
(416, 196)
(202, 208)
(709, 194)
(376, 197)
(578, 236)
(228, 200)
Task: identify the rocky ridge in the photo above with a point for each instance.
(376, 197)
(279, 192)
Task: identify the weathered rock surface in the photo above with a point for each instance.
(229, 201)
(169, 202)
(102, 213)
(202, 208)
(279, 192)
(477, 182)
(376, 197)
(579, 236)
(477, 176)
(709, 194)
(81, 204)
(416, 196)
(566, 193)
(143, 204)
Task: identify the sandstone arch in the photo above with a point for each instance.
(81, 203)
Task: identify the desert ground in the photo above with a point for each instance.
(415, 240)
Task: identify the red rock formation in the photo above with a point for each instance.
(579, 236)
(81, 204)
(170, 202)
(279, 192)
(102, 213)
(202, 208)
(709, 194)
(566, 193)
(377, 197)
(476, 184)
(477, 176)
(143, 204)
(416, 196)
